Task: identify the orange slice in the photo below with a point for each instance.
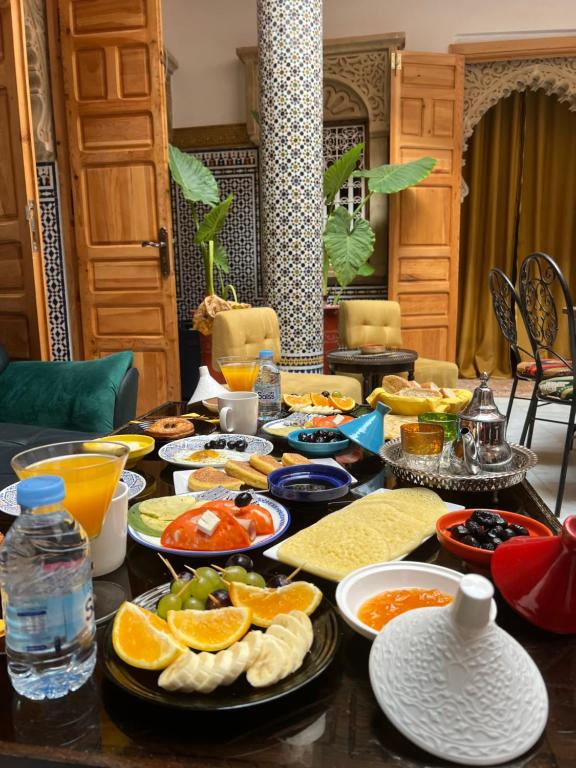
(210, 630)
(342, 403)
(142, 639)
(266, 604)
(294, 400)
(319, 399)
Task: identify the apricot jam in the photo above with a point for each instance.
(380, 609)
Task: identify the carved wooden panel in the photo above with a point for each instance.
(23, 324)
(114, 88)
(426, 119)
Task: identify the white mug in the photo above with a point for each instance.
(238, 412)
(109, 547)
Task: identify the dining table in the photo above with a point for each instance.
(332, 721)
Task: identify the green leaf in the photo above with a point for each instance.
(387, 179)
(213, 221)
(197, 182)
(221, 257)
(366, 270)
(349, 243)
(337, 174)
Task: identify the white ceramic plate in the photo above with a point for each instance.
(272, 552)
(174, 452)
(280, 519)
(133, 480)
(181, 475)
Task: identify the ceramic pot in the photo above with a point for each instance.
(537, 578)
(456, 684)
(367, 431)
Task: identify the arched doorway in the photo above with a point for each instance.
(520, 170)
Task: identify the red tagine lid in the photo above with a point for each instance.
(537, 578)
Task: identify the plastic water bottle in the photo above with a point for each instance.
(47, 600)
(268, 387)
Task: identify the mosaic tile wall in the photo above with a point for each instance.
(54, 268)
(236, 171)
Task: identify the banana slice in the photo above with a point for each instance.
(285, 644)
(203, 672)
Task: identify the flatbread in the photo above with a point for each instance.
(377, 528)
(392, 424)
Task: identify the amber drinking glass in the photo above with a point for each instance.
(422, 445)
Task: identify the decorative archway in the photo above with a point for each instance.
(485, 83)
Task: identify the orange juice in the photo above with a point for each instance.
(90, 481)
(240, 377)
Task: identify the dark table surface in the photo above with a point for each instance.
(333, 722)
(372, 367)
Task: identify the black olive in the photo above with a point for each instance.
(470, 540)
(241, 445)
(209, 444)
(243, 499)
(496, 541)
(219, 443)
(489, 545)
(507, 533)
(487, 518)
(232, 444)
(458, 531)
(519, 530)
(325, 394)
(475, 528)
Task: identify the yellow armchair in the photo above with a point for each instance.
(379, 322)
(247, 331)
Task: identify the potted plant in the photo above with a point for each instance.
(348, 237)
(200, 188)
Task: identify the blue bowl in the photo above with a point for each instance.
(309, 483)
(317, 449)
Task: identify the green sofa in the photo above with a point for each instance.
(47, 402)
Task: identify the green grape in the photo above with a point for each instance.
(207, 572)
(254, 579)
(235, 573)
(194, 604)
(200, 587)
(177, 586)
(168, 603)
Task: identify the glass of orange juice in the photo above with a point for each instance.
(240, 372)
(91, 471)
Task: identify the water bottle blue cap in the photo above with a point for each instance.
(266, 353)
(38, 491)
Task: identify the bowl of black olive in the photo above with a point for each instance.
(474, 534)
(318, 442)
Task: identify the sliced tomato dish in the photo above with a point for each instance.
(329, 421)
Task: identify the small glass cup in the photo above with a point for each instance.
(422, 445)
(448, 421)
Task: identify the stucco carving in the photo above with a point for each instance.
(341, 102)
(39, 80)
(365, 73)
(488, 82)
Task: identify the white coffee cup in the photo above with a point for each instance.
(109, 547)
(238, 412)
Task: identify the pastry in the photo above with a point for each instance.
(289, 459)
(170, 428)
(416, 392)
(207, 477)
(264, 464)
(247, 474)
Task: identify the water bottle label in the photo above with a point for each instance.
(269, 393)
(51, 623)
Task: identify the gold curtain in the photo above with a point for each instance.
(521, 171)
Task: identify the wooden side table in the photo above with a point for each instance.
(372, 367)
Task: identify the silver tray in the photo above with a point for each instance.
(522, 460)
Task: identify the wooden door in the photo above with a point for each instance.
(116, 111)
(426, 119)
(23, 316)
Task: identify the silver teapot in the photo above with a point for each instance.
(484, 442)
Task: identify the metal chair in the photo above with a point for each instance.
(540, 279)
(504, 301)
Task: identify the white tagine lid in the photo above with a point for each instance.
(457, 685)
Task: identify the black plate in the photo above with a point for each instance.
(143, 684)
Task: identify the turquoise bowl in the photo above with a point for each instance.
(317, 449)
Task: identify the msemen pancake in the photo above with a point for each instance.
(376, 528)
(206, 478)
(265, 464)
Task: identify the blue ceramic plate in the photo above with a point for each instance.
(309, 483)
(317, 449)
(177, 451)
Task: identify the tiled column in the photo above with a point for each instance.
(290, 70)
